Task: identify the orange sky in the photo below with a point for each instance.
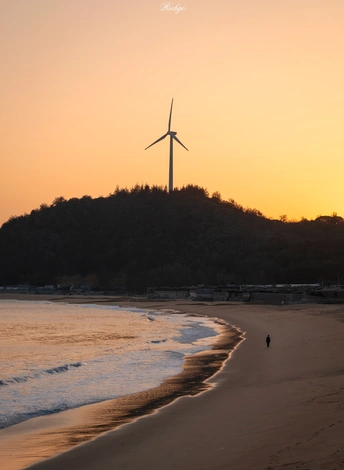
(258, 93)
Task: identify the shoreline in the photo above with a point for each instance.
(82, 424)
(280, 408)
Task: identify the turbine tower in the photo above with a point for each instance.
(172, 135)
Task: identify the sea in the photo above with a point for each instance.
(59, 356)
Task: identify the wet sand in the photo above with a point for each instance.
(276, 408)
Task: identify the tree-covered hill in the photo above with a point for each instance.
(149, 237)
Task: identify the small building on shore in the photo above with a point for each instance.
(268, 293)
(168, 293)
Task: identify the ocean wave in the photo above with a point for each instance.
(37, 375)
(115, 308)
(16, 418)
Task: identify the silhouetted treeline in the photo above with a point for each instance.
(146, 236)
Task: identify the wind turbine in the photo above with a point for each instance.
(172, 135)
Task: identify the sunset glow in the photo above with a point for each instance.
(258, 100)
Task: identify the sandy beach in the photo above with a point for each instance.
(266, 409)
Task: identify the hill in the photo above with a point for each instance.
(146, 236)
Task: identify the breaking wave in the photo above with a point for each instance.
(51, 371)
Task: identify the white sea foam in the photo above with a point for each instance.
(61, 356)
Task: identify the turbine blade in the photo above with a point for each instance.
(169, 121)
(179, 142)
(156, 141)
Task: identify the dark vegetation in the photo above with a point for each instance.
(148, 237)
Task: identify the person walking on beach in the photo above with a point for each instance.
(268, 339)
